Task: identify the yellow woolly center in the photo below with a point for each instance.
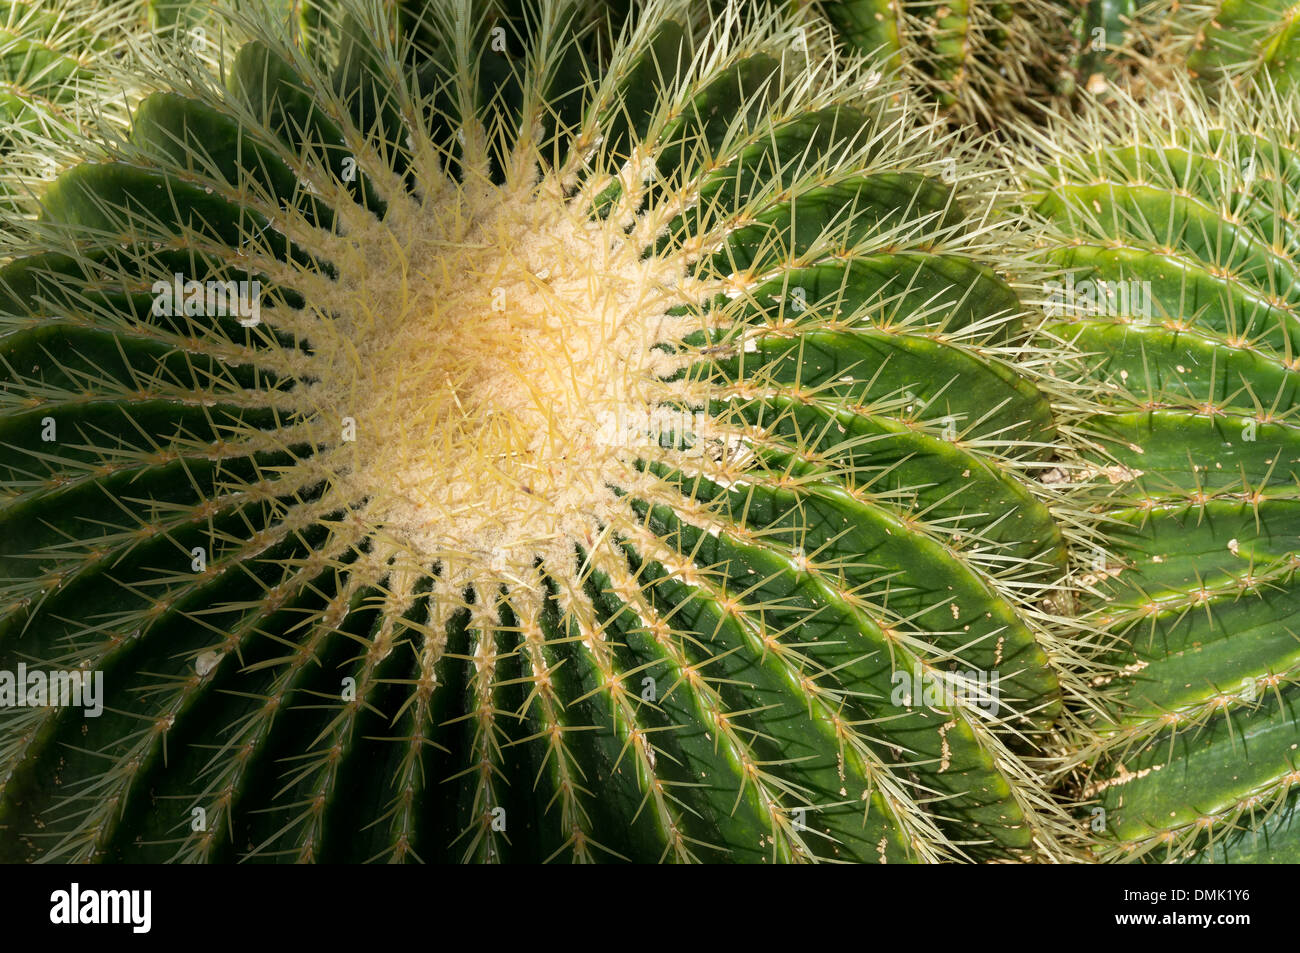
(481, 357)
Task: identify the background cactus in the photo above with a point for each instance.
(61, 63)
(1247, 38)
(985, 63)
(626, 405)
(1100, 28)
(1177, 221)
(46, 51)
(302, 19)
(48, 78)
(1125, 43)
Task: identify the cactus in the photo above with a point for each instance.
(1177, 223)
(1149, 47)
(48, 78)
(1254, 39)
(998, 66)
(302, 18)
(624, 444)
(46, 56)
(985, 63)
(62, 61)
(1100, 28)
(1126, 43)
(51, 52)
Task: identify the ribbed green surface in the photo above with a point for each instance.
(1198, 751)
(886, 523)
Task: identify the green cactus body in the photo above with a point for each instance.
(302, 19)
(609, 438)
(63, 62)
(873, 26)
(1179, 224)
(1249, 38)
(1111, 18)
(50, 52)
